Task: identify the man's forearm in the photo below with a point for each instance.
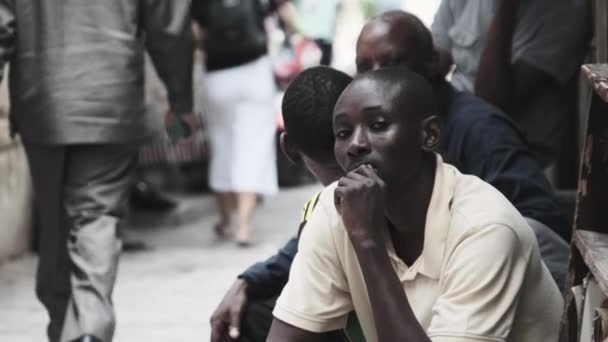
(494, 81)
(176, 75)
(392, 312)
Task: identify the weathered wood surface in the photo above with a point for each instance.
(597, 76)
(593, 246)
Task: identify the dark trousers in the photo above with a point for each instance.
(81, 194)
(326, 51)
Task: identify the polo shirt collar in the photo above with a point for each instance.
(435, 230)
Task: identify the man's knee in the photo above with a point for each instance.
(554, 251)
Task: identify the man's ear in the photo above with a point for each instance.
(441, 64)
(291, 152)
(431, 133)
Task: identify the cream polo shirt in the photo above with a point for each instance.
(479, 277)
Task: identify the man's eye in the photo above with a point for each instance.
(342, 133)
(379, 125)
(363, 67)
(393, 62)
(390, 62)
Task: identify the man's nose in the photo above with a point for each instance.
(359, 144)
(376, 66)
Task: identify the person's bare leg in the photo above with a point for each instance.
(226, 203)
(246, 203)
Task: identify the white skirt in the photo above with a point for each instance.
(241, 127)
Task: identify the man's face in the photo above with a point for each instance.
(369, 130)
(380, 46)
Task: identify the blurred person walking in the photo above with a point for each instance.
(313, 19)
(77, 101)
(241, 124)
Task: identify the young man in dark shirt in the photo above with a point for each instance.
(477, 138)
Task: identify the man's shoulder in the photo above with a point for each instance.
(463, 103)
(478, 207)
(320, 212)
(309, 206)
(469, 114)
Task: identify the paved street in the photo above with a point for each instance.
(167, 292)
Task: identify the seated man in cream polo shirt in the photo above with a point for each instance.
(418, 250)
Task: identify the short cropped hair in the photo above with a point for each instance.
(412, 93)
(308, 106)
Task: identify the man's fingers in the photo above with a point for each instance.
(373, 175)
(352, 180)
(365, 170)
(341, 191)
(234, 333)
(217, 330)
(368, 172)
(236, 314)
(357, 177)
(361, 177)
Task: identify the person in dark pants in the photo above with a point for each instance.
(77, 102)
(326, 48)
(478, 138)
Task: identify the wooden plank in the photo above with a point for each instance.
(593, 247)
(592, 205)
(597, 76)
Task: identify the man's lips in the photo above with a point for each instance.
(357, 165)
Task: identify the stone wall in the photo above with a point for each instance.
(15, 190)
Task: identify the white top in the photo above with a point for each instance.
(479, 277)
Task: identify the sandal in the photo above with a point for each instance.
(243, 241)
(222, 230)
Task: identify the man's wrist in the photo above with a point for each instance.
(373, 259)
(367, 241)
(368, 247)
(242, 284)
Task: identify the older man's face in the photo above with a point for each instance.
(380, 45)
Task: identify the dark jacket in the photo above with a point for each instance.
(77, 67)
